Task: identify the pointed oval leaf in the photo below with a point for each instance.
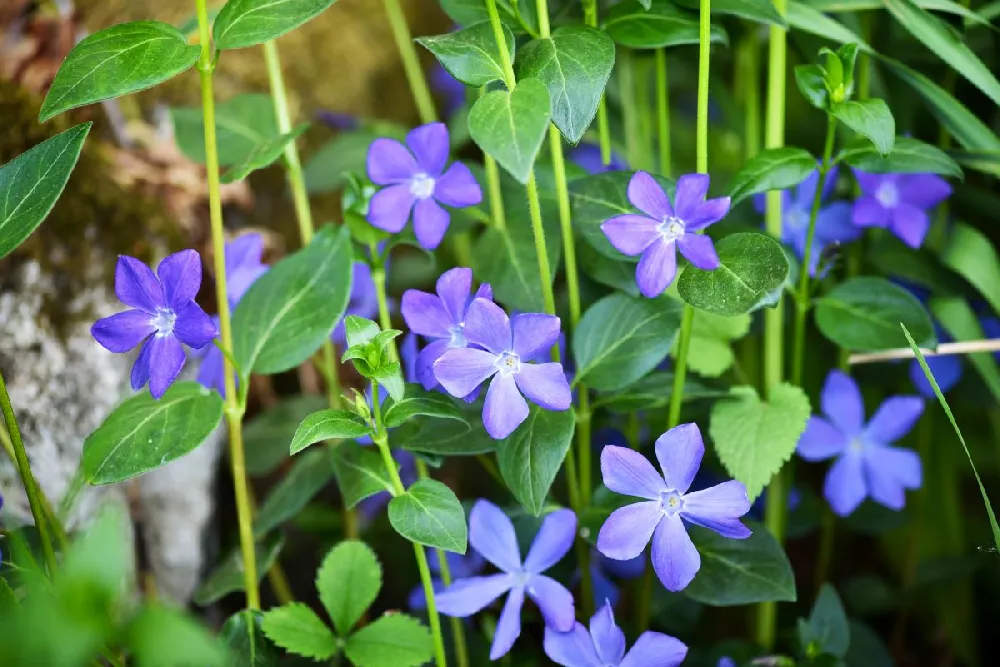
(297, 629)
(328, 425)
(761, 11)
(420, 403)
(243, 23)
(241, 124)
(470, 54)
(31, 183)
(863, 315)
(956, 317)
(510, 126)
(348, 582)
(263, 155)
(309, 474)
(970, 254)
(805, 17)
(772, 169)
(360, 473)
(530, 457)
(908, 156)
(869, 118)
(267, 434)
(429, 513)
(227, 577)
(447, 437)
(827, 627)
(243, 635)
(662, 25)
(394, 640)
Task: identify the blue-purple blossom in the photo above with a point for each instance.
(726, 661)
(451, 89)
(946, 368)
(666, 228)
(459, 566)
(338, 120)
(899, 202)
(833, 221)
(363, 301)
(417, 181)
(667, 506)
(588, 157)
(491, 534)
(163, 315)
(604, 645)
(507, 345)
(441, 318)
(866, 465)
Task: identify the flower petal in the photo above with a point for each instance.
(194, 327)
(675, 558)
(647, 196)
(845, 486)
(458, 187)
(491, 534)
(679, 452)
(166, 359)
(389, 162)
(834, 224)
(429, 144)
(628, 530)
(609, 640)
(631, 233)
(425, 374)
(571, 649)
(869, 183)
(653, 649)
(902, 464)
(122, 331)
(869, 212)
(821, 440)
(488, 326)
(707, 214)
(467, 596)
(923, 190)
(894, 419)
(136, 286)
(946, 369)
(180, 277)
(389, 208)
(244, 251)
(462, 369)
(554, 601)
(430, 222)
(883, 485)
(534, 333)
(910, 224)
(629, 473)
(719, 508)
(545, 385)
(425, 314)
(509, 625)
(505, 408)
(552, 542)
(690, 194)
(453, 286)
(699, 250)
(842, 404)
(657, 268)
(211, 371)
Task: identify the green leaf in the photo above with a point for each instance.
(245, 638)
(243, 23)
(711, 351)
(471, 54)
(266, 435)
(144, 433)
(469, 12)
(908, 156)
(31, 183)
(241, 124)
(162, 637)
(869, 118)
(739, 572)
(761, 11)
(360, 331)
(827, 629)
(510, 126)
(328, 168)
(119, 60)
(429, 513)
(937, 36)
(447, 437)
(970, 254)
(360, 473)
(754, 439)
(348, 582)
(622, 338)
(297, 629)
(801, 16)
(308, 475)
(662, 25)
(530, 457)
(419, 402)
(616, 274)
(291, 310)
(867, 649)
(863, 315)
(263, 155)
(944, 404)
(811, 82)
(328, 425)
(574, 64)
(227, 577)
(390, 377)
(958, 319)
(752, 270)
(394, 640)
(653, 391)
(771, 169)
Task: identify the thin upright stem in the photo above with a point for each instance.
(603, 126)
(663, 110)
(234, 411)
(411, 62)
(31, 487)
(50, 515)
(751, 93)
(626, 91)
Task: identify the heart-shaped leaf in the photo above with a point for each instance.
(869, 118)
(360, 473)
(510, 126)
(429, 513)
(243, 23)
(470, 54)
(530, 457)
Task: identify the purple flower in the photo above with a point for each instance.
(460, 567)
(866, 465)
(338, 120)
(450, 88)
(668, 504)
(507, 347)
(899, 202)
(946, 369)
(363, 301)
(726, 661)
(665, 228)
(588, 157)
(416, 182)
(491, 534)
(441, 318)
(604, 645)
(164, 315)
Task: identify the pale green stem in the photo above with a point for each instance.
(663, 110)
(50, 515)
(411, 62)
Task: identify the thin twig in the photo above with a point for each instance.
(944, 349)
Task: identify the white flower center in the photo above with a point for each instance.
(163, 322)
(672, 228)
(508, 363)
(856, 445)
(422, 186)
(671, 501)
(457, 336)
(887, 194)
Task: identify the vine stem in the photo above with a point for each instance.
(234, 411)
(663, 109)
(50, 515)
(31, 488)
(411, 63)
(603, 125)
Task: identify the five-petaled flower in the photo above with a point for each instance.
(604, 645)
(417, 181)
(163, 316)
(491, 534)
(459, 566)
(866, 465)
(441, 317)
(668, 504)
(507, 345)
(666, 228)
(899, 202)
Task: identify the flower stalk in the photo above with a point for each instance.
(411, 62)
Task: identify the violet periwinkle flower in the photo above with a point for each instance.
(726, 661)
(163, 316)
(507, 346)
(417, 182)
(666, 228)
(866, 465)
(491, 534)
(899, 202)
(460, 567)
(947, 369)
(451, 89)
(363, 301)
(441, 318)
(604, 645)
(668, 505)
(588, 157)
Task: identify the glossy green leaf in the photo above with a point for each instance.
(827, 630)
(326, 170)
(144, 433)
(470, 12)
(863, 315)
(360, 473)
(159, 636)
(291, 310)
(394, 640)
(908, 156)
(116, 61)
(447, 437)
(616, 274)
(530, 457)
(471, 54)
(801, 16)
(753, 269)
(245, 638)
(243, 23)
(297, 629)
(309, 474)
(429, 513)
(263, 155)
(227, 577)
(348, 582)
(653, 391)
(31, 183)
(510, 126)
(970, 254)
(711, 351)
(241, 124)
(574, 64)
(267, 434)
(662, 25)
(328, 425)
(869, 118)
(945, 6)
(754, 439)
(621, 338)
(957, 318)
(811, 82)
(761, 11)
(420, 403)
(772, 169)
